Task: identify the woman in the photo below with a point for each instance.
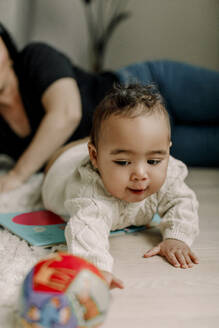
(46, 101)
(41, 105)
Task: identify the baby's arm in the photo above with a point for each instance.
(87, 235)
(178, 208)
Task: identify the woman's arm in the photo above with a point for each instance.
(62, 116)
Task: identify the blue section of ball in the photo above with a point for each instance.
(50, 310)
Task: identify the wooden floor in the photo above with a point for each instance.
(157, 295)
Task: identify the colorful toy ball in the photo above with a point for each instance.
(63, 291)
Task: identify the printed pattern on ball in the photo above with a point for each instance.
(63, 291)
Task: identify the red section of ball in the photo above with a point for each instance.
(38, 218)
(56, 273)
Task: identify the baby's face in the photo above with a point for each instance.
(132, 156)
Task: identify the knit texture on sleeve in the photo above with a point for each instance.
(88, 230)
(178, 205)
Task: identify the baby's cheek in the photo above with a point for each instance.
(157, 183)
(116, 186)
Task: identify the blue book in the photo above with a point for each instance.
(44, 228)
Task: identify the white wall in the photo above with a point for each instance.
(185, 30)
(16, 16)
(62, 23)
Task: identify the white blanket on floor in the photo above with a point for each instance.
(16, 257)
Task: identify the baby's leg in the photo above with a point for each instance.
(58, 172)
(61, 150)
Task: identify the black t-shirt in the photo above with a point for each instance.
(37, 67)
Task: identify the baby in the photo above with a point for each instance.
(127, 177)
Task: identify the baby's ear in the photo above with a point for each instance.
(93, 154)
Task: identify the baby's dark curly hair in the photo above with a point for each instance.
(131, 101)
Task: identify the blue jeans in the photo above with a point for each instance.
(191, 95)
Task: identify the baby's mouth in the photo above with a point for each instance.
(137, 191)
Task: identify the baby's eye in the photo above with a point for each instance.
(122, 163)
(153, 161)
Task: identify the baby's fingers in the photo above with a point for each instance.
(153, 251)
(171, 258)
(188, 260)
(116, 283)
(193, 257)
(183, 259)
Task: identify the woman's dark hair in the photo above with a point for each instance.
(9, 42)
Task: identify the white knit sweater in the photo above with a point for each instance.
(73, 189)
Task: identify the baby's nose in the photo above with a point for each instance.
(140, 173)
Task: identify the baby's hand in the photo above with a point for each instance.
(112, 281)
(176, 252)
